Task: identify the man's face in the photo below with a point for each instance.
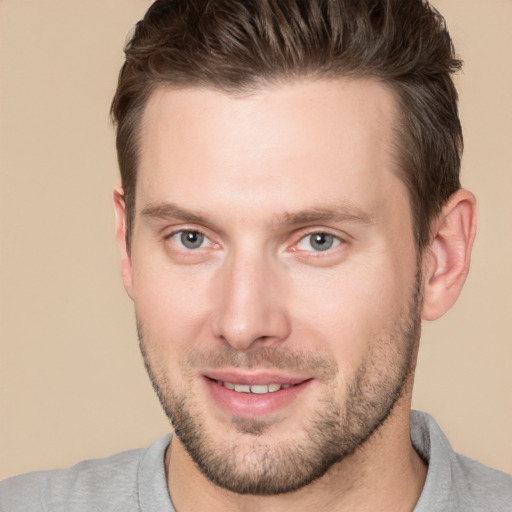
(274, 275)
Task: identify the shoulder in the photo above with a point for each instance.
(455, 482)
(107, 484)
(485, 485)
(86, 483)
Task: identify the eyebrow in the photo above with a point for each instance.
(345, 213)
(172, 211)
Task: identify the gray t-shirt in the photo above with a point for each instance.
(135, 481)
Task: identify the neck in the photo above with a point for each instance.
(385, 473)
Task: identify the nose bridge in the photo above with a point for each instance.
(251, 306)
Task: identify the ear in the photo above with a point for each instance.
(446, 260)
(121, 227)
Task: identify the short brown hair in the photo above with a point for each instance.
(237, 45)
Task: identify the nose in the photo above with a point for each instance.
(251, 306)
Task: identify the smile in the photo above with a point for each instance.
(254, 395)
(258, 389)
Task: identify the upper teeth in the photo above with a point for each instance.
(259, 389)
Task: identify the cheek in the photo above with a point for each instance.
(348, 311)
(170, 305)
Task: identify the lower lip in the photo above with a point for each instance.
(253, 405)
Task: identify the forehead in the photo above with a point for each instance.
(292, 143)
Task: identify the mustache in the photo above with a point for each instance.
(320, 366)
(313, 364)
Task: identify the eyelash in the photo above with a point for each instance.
(181, 232)
(336, 241)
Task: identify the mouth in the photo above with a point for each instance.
(257, 389)
(254, 396)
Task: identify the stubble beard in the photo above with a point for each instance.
(340, 424)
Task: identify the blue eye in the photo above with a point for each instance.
(189, 239)
(318, 242)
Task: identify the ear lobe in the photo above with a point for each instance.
(447, 259)
(121, 227)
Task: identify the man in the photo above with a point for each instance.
(290, 210)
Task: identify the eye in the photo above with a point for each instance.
(318, 242)
(189, 239)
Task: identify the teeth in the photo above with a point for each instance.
(259, 389)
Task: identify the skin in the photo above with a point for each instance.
(252, 173)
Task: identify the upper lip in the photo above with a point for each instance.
(253, 378)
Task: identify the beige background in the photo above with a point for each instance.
(71, 381)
